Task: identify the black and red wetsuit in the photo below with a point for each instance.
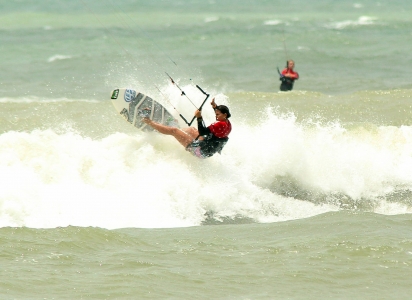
(214, 138)
(287, 82)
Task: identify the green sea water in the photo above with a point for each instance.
(310, 199)
(332, 256)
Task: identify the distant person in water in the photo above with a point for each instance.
(288, 76)
(204, 141)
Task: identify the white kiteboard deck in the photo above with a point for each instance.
(132, 105)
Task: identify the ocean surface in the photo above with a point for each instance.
(310, 199)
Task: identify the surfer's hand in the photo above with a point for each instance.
(198, 114)
(147, 120)
(213, 103)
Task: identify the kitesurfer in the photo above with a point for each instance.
(288, 76)
(204, 141)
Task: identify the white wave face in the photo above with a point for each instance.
(58, 57)
(149, 180)
(362, 21)
(211, 19)
(272, 22)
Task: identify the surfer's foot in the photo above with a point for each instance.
(144, 113)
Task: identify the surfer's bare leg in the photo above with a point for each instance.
(191, 131)
(184, 137)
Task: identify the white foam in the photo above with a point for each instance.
(148, 180)
(34, 99)
(303, 48)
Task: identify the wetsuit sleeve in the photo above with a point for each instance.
(203, 130)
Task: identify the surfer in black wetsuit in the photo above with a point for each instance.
(205, 141)
(288, 76)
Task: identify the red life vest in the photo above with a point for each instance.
(221, 129)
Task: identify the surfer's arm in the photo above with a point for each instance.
(203, 130)
(294, 75)
(291, 75)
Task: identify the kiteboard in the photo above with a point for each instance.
(134, 106)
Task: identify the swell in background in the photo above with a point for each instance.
(67, 49)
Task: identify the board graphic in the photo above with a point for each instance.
(133, 105)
